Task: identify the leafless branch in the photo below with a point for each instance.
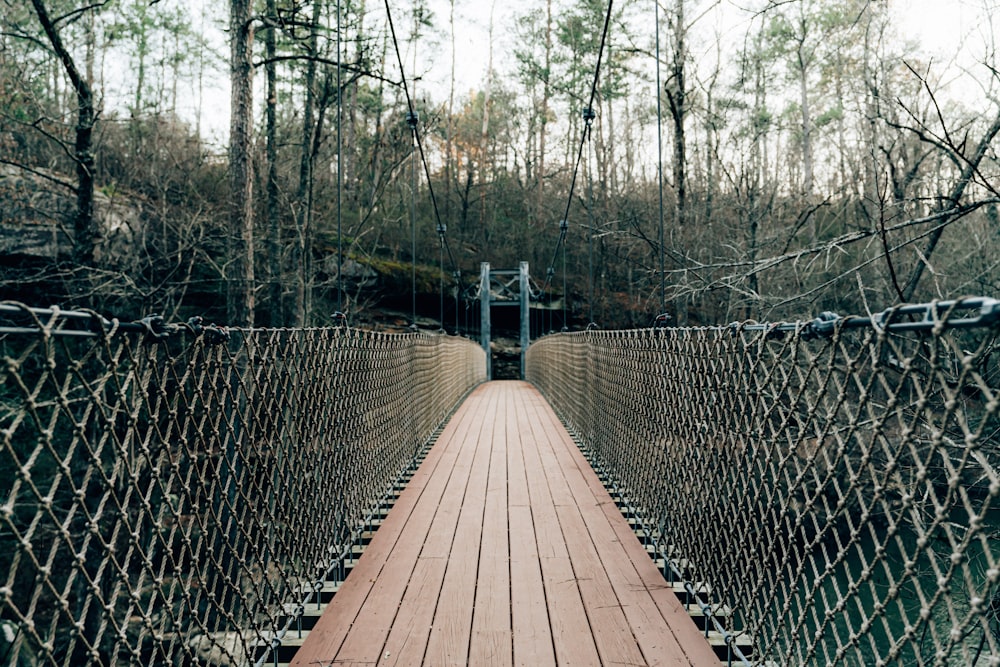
(880, 191)
(76, 13)
(40, 174)
(361, 73)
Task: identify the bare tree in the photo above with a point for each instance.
(275, 261)
(240, 273)
(951, 205)
(85, 233)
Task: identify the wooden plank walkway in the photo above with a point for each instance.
(505, 549)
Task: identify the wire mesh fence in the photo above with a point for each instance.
(828, 488)
(177, 499)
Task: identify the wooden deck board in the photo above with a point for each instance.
(407, 640)
(610, 628)
(531, 632)
(448, 643)
(572, 638)
(428, 484)
(491, 628)
(505, 549)
(644, 596)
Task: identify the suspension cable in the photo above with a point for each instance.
(441, 275)
(659, 156)
(413, 119)
(340, 171)
(589, 109)
(590, 222)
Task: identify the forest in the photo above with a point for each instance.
(717, 161)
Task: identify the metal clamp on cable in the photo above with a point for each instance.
(589, 115)
(412, 118)
(155, 327)
(213, 334)
(821, 327)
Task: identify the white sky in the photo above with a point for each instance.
(942, 28)
(953, 33)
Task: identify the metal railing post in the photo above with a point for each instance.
(484, 316)
(525, 315)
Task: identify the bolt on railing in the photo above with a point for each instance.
(176, 494)
(830, 486)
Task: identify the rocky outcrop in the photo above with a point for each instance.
(36, 215)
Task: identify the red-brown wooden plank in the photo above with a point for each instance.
(448, 643)
(608, 624)
(532, 634)
(663, 631)
(647, 577)
(490, 643)
(376, 617)
(572, 638)
(505, 549)
(425, 490)
(407, 640)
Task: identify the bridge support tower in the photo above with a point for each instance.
(496, 289)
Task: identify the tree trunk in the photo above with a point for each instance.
(807, 157)
(303, 249)
(142, 51)
(450, 126)
(273, 225)
(85, 233)
(240, 303)
(351, 163)
(545, 111)
(677, 96)
(804, 61)
(484, 136)
(676, 90)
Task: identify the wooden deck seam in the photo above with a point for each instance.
(685, 635)
(449, 630)
(589, 582)
(455, 439)
(391, 529)
(487, 640)
(523, 402)
(570, 460)
(451, 544)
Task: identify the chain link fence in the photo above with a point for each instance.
(174, 495)
(828, 490)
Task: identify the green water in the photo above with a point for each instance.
(889, 598)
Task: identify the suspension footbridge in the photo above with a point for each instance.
(818, 492)
(800, 493)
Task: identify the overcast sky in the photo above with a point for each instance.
(955, 33)
(944, 29)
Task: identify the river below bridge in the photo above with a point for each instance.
(881, 603)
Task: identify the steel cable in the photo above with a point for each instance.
(564, 223)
